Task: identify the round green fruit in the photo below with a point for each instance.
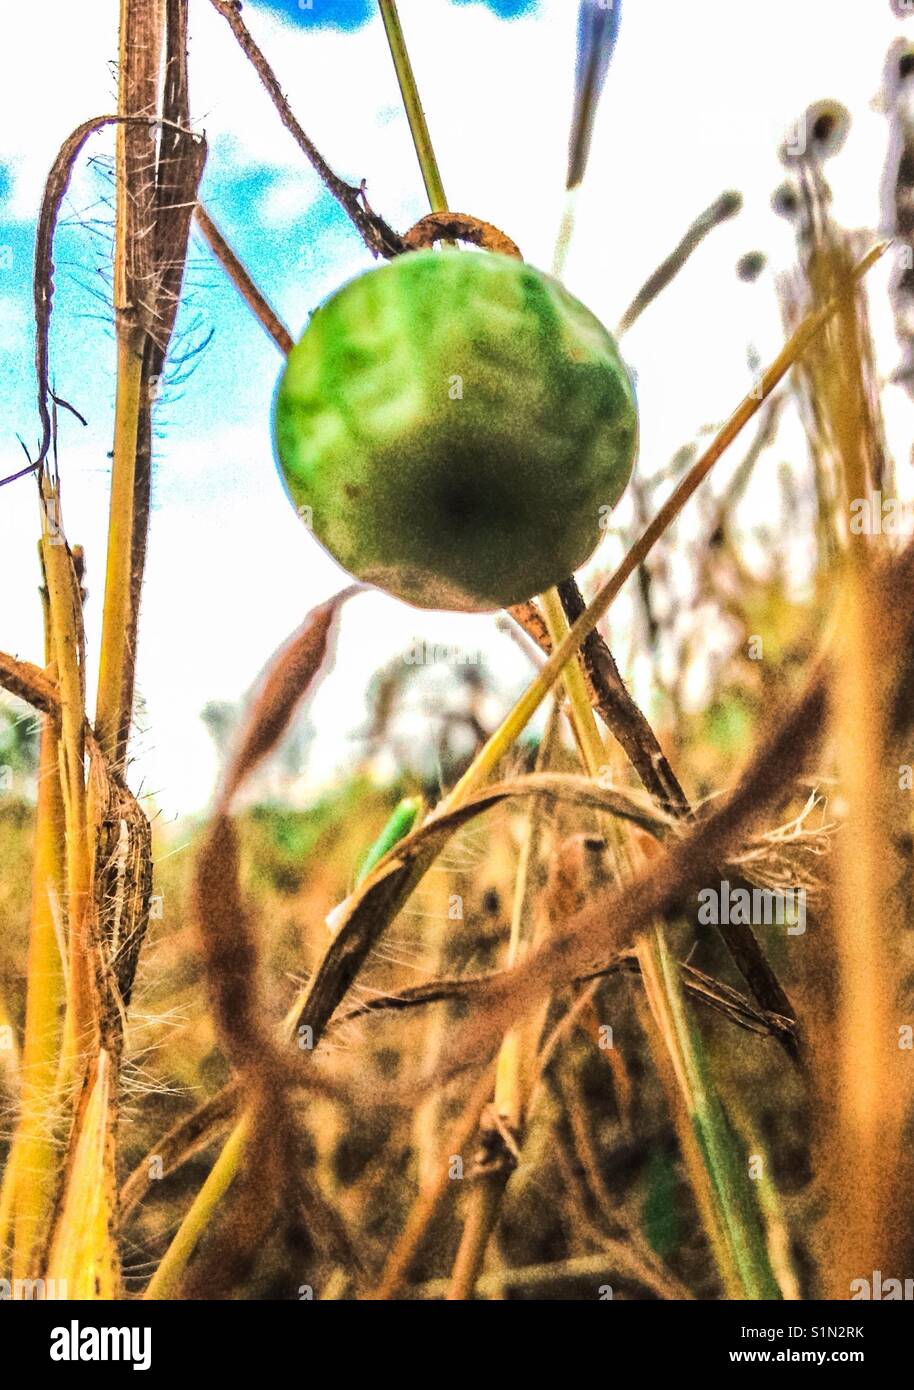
(454, 427)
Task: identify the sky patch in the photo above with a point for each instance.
(352, 14)
(505, 9)
(322, 14)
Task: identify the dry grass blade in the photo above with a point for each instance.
(687, 864)
(58, 181)
(67, 642)
(365, 916)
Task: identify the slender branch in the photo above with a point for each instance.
(261, 309)
(377, 235)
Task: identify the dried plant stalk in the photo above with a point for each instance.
(141, 30)
(34, 1147)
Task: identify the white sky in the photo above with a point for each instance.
(697, 99)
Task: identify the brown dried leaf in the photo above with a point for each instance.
(287, 680)
(229, 947)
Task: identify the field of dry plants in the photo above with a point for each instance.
(617, 1002)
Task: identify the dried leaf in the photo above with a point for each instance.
(287, 680)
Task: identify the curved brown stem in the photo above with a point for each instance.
(459, 226)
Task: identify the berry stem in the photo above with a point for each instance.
(409, 91)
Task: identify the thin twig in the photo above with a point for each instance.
(263, 312)
(377, 235)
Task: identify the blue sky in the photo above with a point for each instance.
(231, 570)
(274, 252)
(351, 14)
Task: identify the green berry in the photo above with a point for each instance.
(455, 427)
